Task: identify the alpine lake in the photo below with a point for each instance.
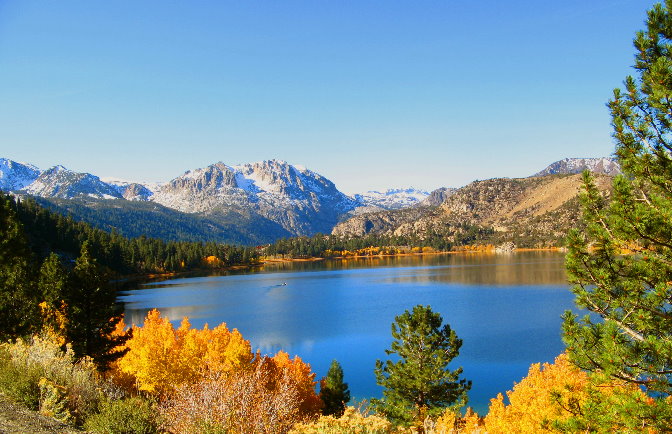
(505, 307)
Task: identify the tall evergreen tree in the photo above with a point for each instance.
(92, 311)
(53, 280)
(621, 264)
(333, 391)
(419, 382)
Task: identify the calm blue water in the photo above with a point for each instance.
(506, 309)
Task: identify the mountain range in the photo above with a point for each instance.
(248, 204)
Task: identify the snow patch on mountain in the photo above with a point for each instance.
(606, 166)
(301, 201)
(16, 176)
(394, 198)
(59, 182)
(132, 190)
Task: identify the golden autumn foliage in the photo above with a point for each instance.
(481, 248)
(452, 423)
(303, 379)
(209, 380)
(162, 358)
(352, 422)
(54, 322)
(550, 393)
(533, 403)
(212, 261)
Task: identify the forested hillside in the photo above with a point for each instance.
(40, 252)
(136, 218)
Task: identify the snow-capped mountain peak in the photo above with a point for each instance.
(63, 183)
(393, 198)
(301, 201)
(16, 176)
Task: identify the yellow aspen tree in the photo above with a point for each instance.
(533, 403)
(304, 381)
(162, 358)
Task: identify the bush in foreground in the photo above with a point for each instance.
(265, 398)
(39, 374)
(133, 415)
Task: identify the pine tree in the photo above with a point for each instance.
(333, 391)
(621, 264)
(92, 312)
(53, 280)
(419, 382)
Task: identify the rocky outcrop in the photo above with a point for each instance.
(571, 166)
(438, 196)
(301, 201)
(531, 212)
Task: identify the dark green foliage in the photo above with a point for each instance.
(92, 311)
(333, 391)
(132, 415)
(133, 219)
(621, 265)
(621, 411)
(319, 244)
(51, 232)
(18, 310)
(31, 235)
(418, 382)
(53, 280)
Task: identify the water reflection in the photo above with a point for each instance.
(506, 308)
(474, 268)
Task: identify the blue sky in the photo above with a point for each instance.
(371, 94)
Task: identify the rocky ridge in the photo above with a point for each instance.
(569, 166)
(532, 212)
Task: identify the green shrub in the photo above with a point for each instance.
(19, 383)
(124, 416)
(24, 363)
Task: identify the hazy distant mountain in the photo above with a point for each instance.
(438, 196)
(131, 190)
(568, 166)
(393, 198)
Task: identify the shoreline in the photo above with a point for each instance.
(492, 251)
(153, 277)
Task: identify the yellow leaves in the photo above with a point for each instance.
(303, 380)
(162, 358)
(534, 401)
(54, 322)
(212, 261)
(209, 379)
(352, 421)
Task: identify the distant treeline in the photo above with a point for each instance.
(321, 245)
(47, 232)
